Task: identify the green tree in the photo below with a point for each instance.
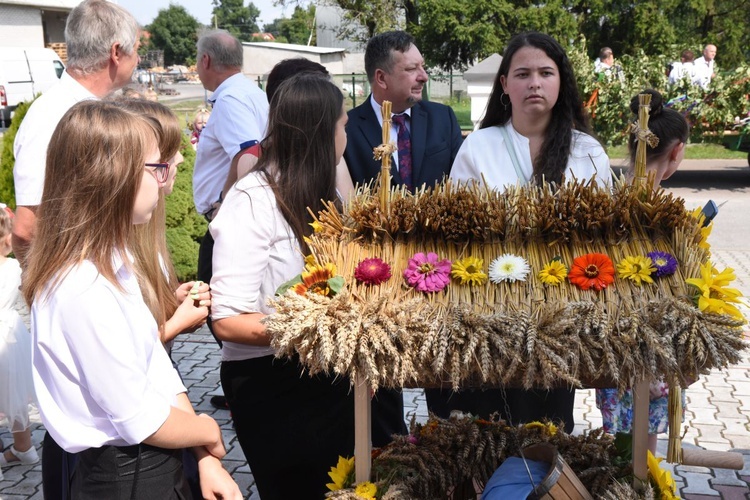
(299, 27)
(175, 31)
(236, 18)
(452, 34)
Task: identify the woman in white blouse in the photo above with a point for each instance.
(105, 385)
(534, 130)
(292, 427)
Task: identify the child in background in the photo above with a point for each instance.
(200, 120)
(16, 387)
(672, 130)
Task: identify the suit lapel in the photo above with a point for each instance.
(418, 142)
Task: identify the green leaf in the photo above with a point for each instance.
(336, 284)
(289, 284)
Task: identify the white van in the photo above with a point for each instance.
(25, 72)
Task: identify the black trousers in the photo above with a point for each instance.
(57, 470)
(524, 406)
(291, 427)
(139, 472)
(206, 271)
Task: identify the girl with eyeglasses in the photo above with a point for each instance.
(105, 385)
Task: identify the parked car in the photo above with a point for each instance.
(358, 90)
(25, 72)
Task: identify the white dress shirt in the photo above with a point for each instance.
(255, 251)
(101, 374)
(394, 128)
(240, 114)
(484, 152)
(32, 139)
(703, 71)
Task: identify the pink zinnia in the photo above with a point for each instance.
(372, 271)
(427, 273)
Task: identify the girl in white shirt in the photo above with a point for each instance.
(534, 130)
(105, 385)
(291, 426)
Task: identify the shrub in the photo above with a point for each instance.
(8, 159)
(185, 227)
(709, 112)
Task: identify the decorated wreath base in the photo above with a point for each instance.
(449, 455)
(532, 287)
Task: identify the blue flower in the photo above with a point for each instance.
(665, 263)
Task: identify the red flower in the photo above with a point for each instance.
(594, 270)
(372, 271)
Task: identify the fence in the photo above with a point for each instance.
(440, 87)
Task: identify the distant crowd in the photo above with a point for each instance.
(695, 71)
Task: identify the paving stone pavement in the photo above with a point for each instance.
(717, 417)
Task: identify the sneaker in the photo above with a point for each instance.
(28, 457)
(219, 402)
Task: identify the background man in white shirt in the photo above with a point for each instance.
(704, 67)
(102, 41)
(239, 116)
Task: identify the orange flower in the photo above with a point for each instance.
(315, 280)
(594, 270)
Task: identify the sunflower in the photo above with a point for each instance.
(714, 296)
(593, 270)
(469, 270)
(342, 475)
(553, 273)
(661, 479)
(509, 267)
(366, 490)
(637, 269)
(315, 280)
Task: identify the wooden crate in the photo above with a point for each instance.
(61, 49)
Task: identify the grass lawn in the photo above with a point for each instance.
(702, 151)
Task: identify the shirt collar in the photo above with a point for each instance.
(376, 107)
(224, 86)
(78, 91)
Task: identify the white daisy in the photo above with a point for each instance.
(509, 267)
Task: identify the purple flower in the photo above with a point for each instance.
(426, 273)
(665, 263)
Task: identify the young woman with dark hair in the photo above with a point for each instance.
(535, 127)
(535, 130)
(291, 426)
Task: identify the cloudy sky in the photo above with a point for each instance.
(145, 10)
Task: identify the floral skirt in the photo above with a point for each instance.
(617, 410)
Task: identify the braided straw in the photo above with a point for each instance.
(385, 158)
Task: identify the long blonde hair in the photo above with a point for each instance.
(95, 163)
(153, 264)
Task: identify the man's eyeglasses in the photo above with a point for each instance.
(160, 170)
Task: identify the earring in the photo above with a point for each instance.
(505, 105)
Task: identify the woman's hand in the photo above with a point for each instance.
(215, 481)
(192, 312)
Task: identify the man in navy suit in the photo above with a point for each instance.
(395, 69)
(427, 136)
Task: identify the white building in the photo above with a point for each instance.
(480, 79)
(33, 23)
(260, 57)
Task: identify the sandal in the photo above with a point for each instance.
(28, 457)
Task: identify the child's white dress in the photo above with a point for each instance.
(16, 385)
